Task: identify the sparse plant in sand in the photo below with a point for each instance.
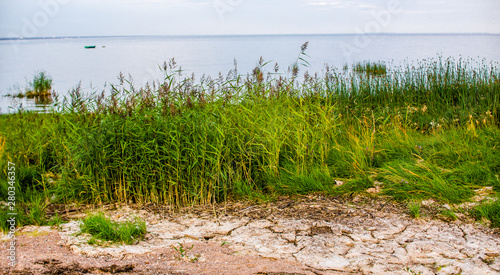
(183, 253)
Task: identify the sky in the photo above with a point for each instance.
(47, 18)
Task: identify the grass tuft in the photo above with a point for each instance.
(490, 211)
(448, 214)
(414, 209)
(102, 228)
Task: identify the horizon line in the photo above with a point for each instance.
(228, 35)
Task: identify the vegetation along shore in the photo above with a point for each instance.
(429, 130)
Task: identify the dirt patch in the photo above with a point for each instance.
(54, 266)
(306, 235)
(47, 255)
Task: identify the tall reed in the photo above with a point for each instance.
(429, 129)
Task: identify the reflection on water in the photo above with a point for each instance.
(39, 104)
(41, 99)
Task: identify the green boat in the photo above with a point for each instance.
(89, 47)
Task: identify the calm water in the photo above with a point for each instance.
(68, 62)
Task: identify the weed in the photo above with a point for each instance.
(300, 58)
(56, 221)
(4, 221)
(412, 272)
(183, 253)
(102, 228)
(490, 211)
(449, 214)
(414, 209)
(35, 212)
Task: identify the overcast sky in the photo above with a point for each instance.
(39, 18)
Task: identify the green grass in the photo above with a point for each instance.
(490, 211)
(102, 228)
(56, 221)
(429, 130)
(30, 210)
(414, 209)
(448, 214)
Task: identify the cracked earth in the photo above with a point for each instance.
(310, 235)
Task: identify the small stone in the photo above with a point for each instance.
(495, 264)
(334, 262)
(346, 230)
(317, 230)
(260, 224)
(373, 190)
(75, 249)
(491, 254)
(428, 202)
(449, 270)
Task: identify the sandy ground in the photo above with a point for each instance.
(305, 235)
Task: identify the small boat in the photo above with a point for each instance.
(89, 47)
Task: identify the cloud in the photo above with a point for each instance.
(120, 17)
(360, 7)
(323, 3)
(176, 3)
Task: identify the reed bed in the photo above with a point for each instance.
(427, 130)
(40, 89)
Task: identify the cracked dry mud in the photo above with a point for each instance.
(312, 235)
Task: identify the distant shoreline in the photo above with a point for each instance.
(246, 35)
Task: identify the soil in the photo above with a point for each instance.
(310, 234)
